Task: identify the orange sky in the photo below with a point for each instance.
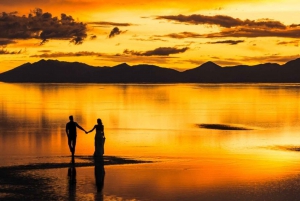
(175, 34)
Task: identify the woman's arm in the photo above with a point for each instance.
(91, 130)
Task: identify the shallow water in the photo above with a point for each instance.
(246, 149)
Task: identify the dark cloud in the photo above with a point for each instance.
(161, 51)
(103, 23)
(48, 54)
(234, 27)
(295, 25)
(4, 42)
(249, 32)
(43, 26)
(256, 32)
(222, 21)
(93, 37)
(293, 42)
(5, 51)
(183, 35)
(230, 42)
(115, 31)
(44, 51)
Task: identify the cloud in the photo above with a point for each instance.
(293, 42)
(111, 58)
(43, 26)
(242, 60)
(149, 39)
(4, 51)
(4, 42)
(115, 31)
(230, 42)
(45, 51)
(48, 54)
(219, 61)
(233, 27)
(104, 23)
(222, 21)
(93, 37)
(273, 58)
(183, 35)
(161, 51)
(256, 32)
(122, 58)
(239, 32)
(295, 25)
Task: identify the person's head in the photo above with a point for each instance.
(99, 121)
(71, 118)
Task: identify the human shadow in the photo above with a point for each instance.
(99, 176)
(72, 180)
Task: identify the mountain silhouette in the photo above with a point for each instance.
(207, 72)
(54, 71)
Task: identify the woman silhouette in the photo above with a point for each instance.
(99, 138)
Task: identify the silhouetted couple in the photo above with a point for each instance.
(99, 137)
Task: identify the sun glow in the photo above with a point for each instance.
(141, 31)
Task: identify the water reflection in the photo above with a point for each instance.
(156, 121)
(99, 177)
(72, 180)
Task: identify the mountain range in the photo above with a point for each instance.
(54, 71)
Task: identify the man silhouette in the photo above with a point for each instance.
(71, 133)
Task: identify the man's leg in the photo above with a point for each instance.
(73, 145)
(70, 144)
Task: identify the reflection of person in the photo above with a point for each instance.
(72, 181)
(71, 133)
(99, 138)
(99, 177)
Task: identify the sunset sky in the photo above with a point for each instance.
(174, 34)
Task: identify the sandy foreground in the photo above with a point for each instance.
(116, 178)
(80, 179)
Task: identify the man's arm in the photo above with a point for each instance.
(79, 127)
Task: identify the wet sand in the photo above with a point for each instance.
(39, 181)
(117, 178)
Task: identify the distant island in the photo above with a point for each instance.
(54, 71)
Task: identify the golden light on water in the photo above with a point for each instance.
(160, 121)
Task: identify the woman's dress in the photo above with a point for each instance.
(99, 141)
